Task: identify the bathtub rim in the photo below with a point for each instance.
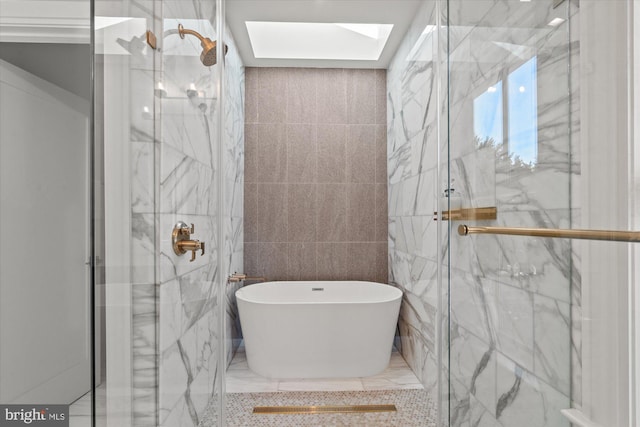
(398, 293)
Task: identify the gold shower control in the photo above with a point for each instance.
(181, 240)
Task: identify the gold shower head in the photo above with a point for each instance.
(208, 55)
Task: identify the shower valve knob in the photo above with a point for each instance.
(180, 238)
(200, 245)
(188, 231)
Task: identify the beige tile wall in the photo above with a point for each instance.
(315, 203)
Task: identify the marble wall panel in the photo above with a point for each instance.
(175, 158)
(143, 248)
(142, 131)
(200, 151)
(233, 179)
(473, 365)
(412, 156)
(142, 188)
(144, 365)
(552, 343)
(526, 400)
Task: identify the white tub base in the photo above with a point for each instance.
(293, 331)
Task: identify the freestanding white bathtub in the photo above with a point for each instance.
(318, 329)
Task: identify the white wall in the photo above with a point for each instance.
(63, 64)
(44, 274)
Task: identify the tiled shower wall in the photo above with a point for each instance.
(191, 173)
(315, 174)
(233, 205)
(413, 177)
(188, 324)
(510, 340)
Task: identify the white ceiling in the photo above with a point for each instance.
(400, 13)
(67, 21)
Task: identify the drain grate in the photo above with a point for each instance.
(327, 409)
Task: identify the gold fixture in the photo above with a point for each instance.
(328, 409)
(151, 39)
(208, 55)
(477, 214)
(181, 240)
(238, 277)
(608, 235)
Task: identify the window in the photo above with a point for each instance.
(519, 120)
(488, 115)
(523, 113)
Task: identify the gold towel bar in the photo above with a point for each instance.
(610, 235)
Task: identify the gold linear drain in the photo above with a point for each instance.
(328, 409)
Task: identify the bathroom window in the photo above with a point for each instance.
(511, 107)
(488, 115)
(523, 112)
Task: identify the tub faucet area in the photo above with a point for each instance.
(241, 277)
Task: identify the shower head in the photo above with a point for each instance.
(209, 54)
(209, 47)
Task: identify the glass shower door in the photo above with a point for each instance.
(541, 155)
(511, 164)
(45, 212)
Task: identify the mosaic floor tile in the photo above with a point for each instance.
(415, 408)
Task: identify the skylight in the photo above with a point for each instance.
(312, 40)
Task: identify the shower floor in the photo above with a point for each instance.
(397, 385)
(397, 376)
(415, 408)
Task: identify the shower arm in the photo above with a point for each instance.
(182, 31)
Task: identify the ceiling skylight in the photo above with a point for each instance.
(312, 40)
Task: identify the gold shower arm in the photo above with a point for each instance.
(182, 31)
(607, 235)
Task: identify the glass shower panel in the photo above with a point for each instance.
(45, 212)
(158, 127)
(509, 150)
(125, 135)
